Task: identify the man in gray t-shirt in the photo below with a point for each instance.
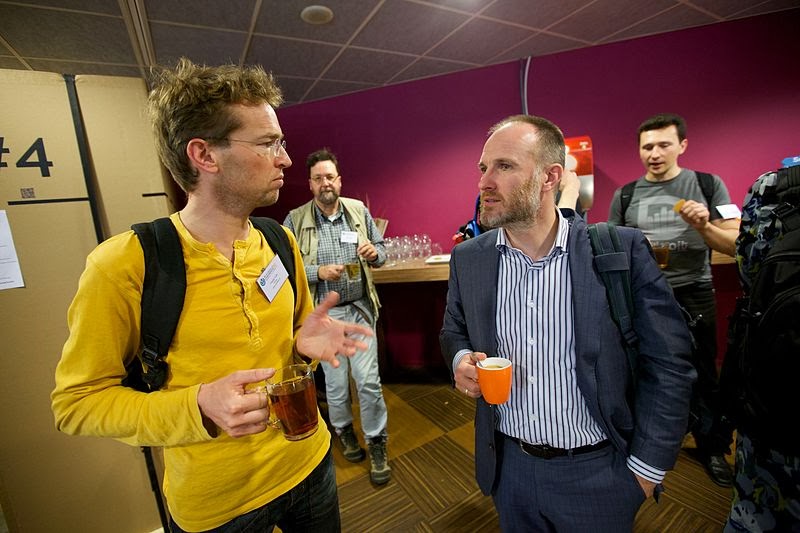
(669, 205)
(651, 209)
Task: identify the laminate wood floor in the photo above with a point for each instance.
(433, 487)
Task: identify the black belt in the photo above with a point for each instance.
(545, 451)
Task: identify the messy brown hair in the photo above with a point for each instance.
(193, 101)
(324, 154)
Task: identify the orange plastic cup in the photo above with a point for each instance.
(494, 378)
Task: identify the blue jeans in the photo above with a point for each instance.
(313, 505)
(364, 368)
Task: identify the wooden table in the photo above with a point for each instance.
(721, 259)
(417, 270)
(413, 295)
(412, 271)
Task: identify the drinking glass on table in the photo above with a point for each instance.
(426, 245)
(406, 249)
(390, 244)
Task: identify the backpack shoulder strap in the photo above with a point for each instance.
(706, 182)
(625, 198)
(163, 293)
(788, 194)
(279, 243)
(613, 264)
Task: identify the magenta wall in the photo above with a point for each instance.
(411, 150)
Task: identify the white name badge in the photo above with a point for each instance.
(729, 211)
(350, 236)
(272, 278)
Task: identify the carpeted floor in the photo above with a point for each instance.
(433, 487)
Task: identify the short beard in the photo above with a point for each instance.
(328, 197)
(524, 206)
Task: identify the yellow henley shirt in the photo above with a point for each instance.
(227, 324)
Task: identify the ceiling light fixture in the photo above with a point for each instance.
(316, 15)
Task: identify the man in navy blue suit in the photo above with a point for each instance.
(580, 444)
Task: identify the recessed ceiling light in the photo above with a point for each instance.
(317, 15)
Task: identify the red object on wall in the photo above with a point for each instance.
(579, 155)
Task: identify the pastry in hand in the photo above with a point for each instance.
(678, 205)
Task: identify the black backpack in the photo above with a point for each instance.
(762, 362)
(164, 290)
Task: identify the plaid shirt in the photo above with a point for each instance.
(332, 251)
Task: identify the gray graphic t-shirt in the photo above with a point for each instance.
(651, 210)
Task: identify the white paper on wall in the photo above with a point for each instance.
(10, 273)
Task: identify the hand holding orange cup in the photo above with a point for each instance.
(494, 379)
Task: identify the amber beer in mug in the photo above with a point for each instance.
(353, 271)
(661, 251)
(293, 401)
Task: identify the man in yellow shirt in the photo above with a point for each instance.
(219, 136)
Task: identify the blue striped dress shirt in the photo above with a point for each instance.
(535, 330)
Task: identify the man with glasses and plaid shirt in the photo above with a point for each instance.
(339, 242)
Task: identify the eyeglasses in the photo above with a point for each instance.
(272, 148)
(324, 177)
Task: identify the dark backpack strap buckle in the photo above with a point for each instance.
(155, 374)
(789, 216)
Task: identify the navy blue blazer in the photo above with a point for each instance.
(653, 427)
